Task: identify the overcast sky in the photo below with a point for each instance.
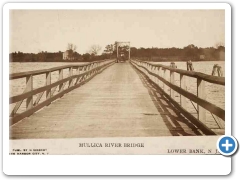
(51, 30)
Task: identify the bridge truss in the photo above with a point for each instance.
(119, 44)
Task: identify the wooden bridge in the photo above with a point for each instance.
(108, 99)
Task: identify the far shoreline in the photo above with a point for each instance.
(106, 59)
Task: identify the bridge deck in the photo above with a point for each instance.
(116, 103)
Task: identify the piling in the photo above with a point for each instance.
(217, 69)
(173, 65)
(172, 79)
(190, 66)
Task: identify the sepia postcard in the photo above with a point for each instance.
(117, 79)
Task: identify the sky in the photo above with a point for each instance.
(32, 31)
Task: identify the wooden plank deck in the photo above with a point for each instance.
(116, 103)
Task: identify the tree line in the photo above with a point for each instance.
(190, 52)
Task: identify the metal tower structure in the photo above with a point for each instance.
(118, 43)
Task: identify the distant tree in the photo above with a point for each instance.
(219, 44)
(71, 47)
(109, 49)
(134, 52)
(95, 49)
(41, 56)
(86, 56)
(191, 52)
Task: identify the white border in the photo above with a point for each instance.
(115, 165)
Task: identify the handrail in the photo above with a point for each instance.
(42, 71)
(36, 91)
(157, 74)
(207, 105)
(74, 81)
(205, 77)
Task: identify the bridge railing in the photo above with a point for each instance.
(157, 73)
(77, 75)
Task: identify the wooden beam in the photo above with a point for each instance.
(164, 77)
(29, 88)
(17, 106)
(183, 86)
(202, 102)
(38, 98)
(70, 75)
(48, 82)
(44, 71)
(201, 94)
(25, 94)
(172, 81)
(190, 117)
(160, 74)
(129, 51)
(205, 77)
(29, 112)
(60, 78)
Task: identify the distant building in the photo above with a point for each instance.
(68, 55)
(65, 55)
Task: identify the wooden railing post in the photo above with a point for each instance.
(183, 86)
(70, 74)
(29, 87)
(152, 70)
(78, 70)
(146, 64)
(200, 99)
(87, 68)
(155, 72)
(149, 69)
(172, 81)
(49, 89)
(164, 85)
(159, 74)
(48, 82)
(60, 78)
(201, 94)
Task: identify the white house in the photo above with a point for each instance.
(68, 55)
(65, 55)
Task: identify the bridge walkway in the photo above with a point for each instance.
(119, 102)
